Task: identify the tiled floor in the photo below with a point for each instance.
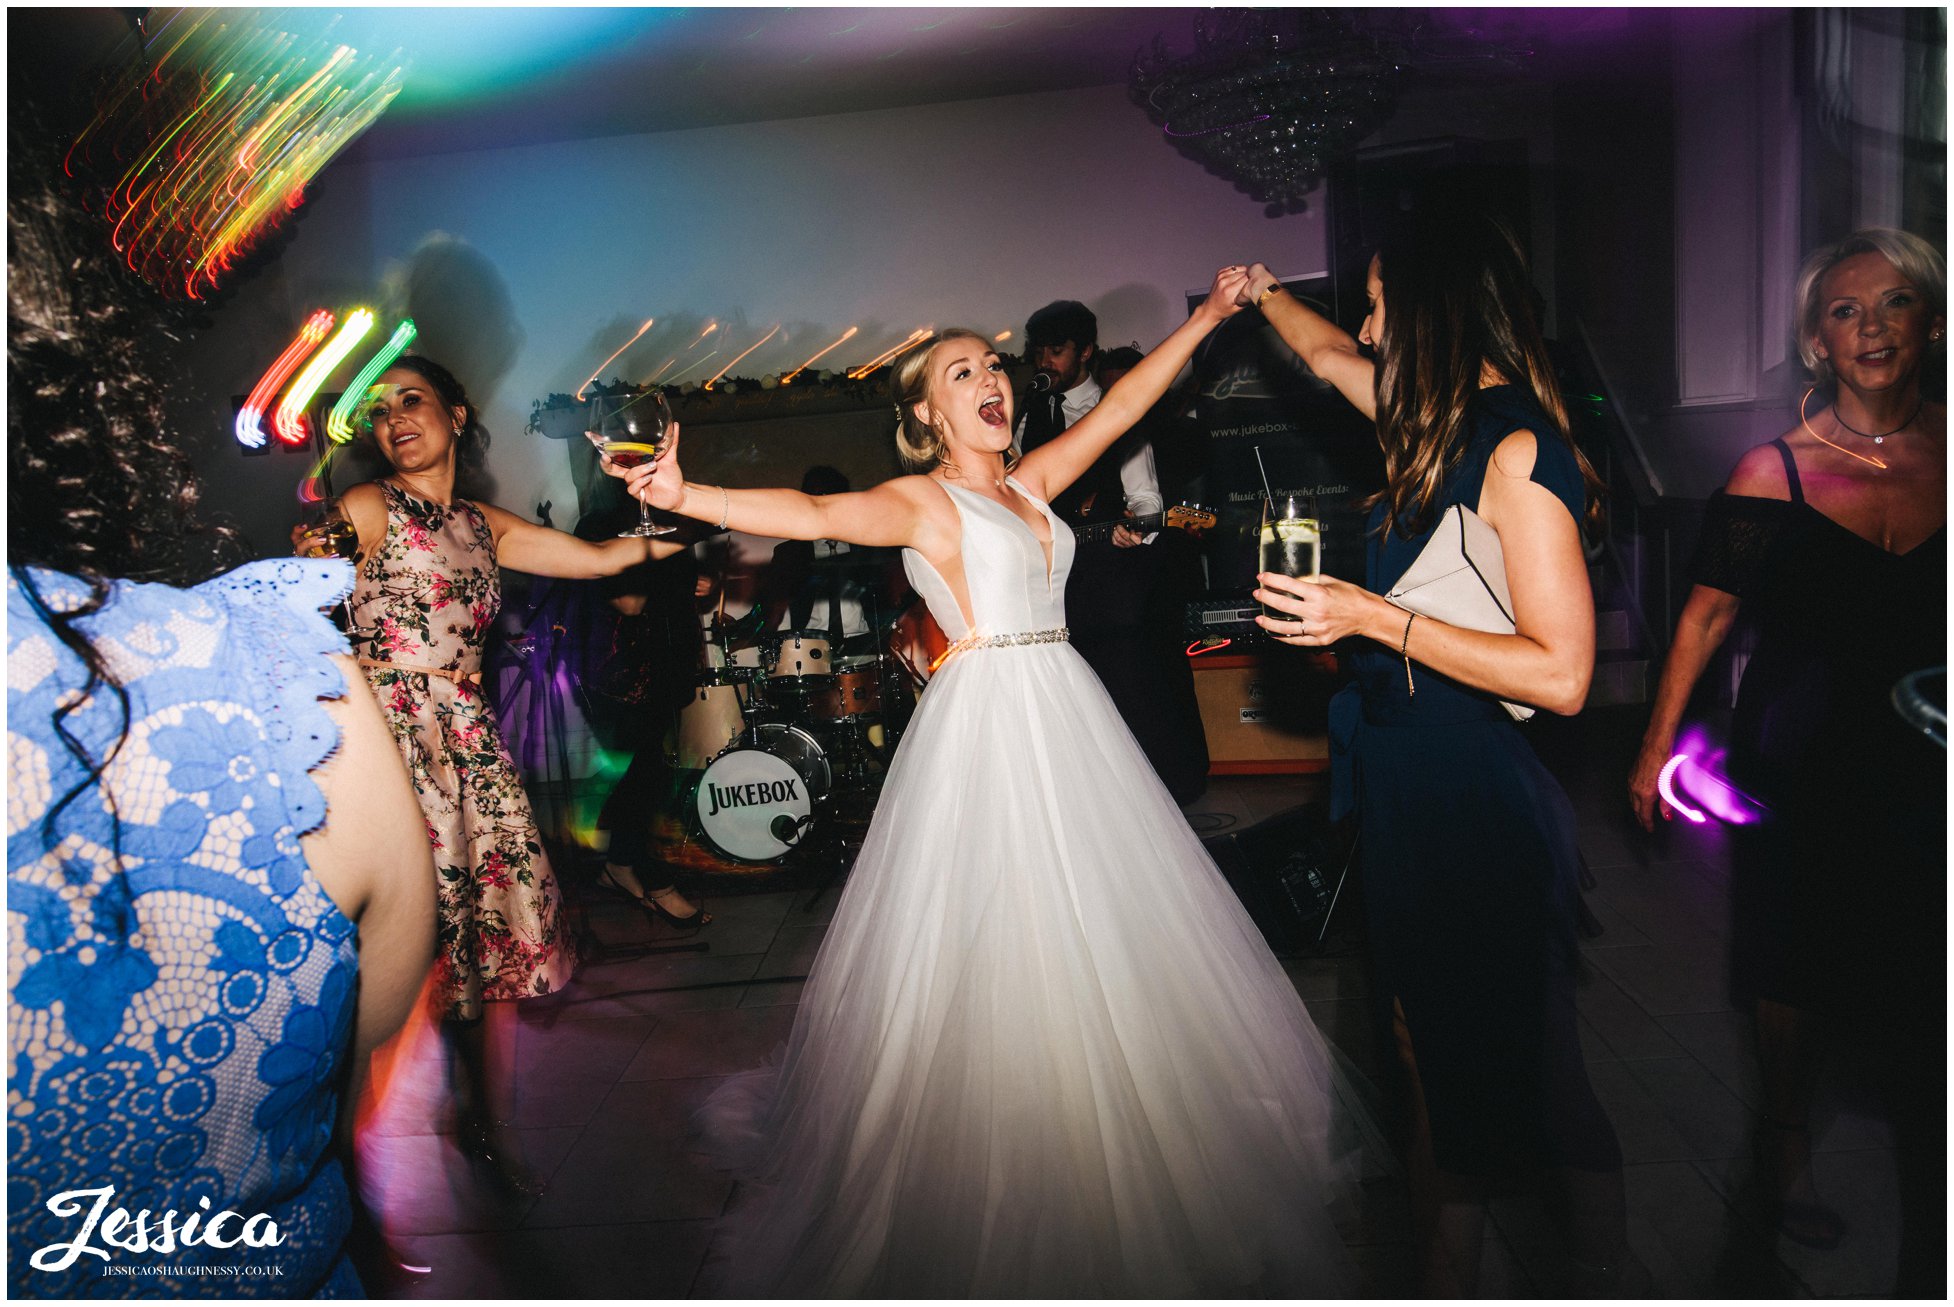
(605, 1076)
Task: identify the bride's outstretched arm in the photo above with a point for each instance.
(892, 513)
(1053, 466)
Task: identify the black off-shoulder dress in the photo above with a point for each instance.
(1839, 894)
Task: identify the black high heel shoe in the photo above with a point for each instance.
(652, 907)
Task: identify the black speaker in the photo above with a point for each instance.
(1291, 873)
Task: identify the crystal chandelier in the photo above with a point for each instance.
(1272, 98)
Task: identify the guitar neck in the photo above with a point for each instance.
(1144, 524)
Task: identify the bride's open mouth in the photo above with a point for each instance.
(992, 411)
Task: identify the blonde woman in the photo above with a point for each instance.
(1043, 1051)
(1832, 542)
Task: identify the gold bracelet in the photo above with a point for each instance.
(1404, 652)
(1274, 286)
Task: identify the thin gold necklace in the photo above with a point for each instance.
(1805, 422)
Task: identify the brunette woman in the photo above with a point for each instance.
(1469, 856)
(428, 589)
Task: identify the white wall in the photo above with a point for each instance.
(971, 213)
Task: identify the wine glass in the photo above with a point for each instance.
(333, 535)
(629, 434)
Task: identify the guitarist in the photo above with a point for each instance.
(1123, 586)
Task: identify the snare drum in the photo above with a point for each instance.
(754, 802)
(798, 662)
(713, 717)
(856, 694)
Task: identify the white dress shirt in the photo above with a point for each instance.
(1139, 481)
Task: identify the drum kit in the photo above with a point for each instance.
(789, 733)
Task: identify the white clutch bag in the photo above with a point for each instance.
(1459, 578)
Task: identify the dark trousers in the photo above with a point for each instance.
(1124, 608)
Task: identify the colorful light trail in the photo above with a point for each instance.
(288, 419)
(339, 422)
(209, 139)
(250, 419)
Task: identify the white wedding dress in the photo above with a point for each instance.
(1043, 1051)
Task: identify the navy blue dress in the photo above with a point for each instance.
(1470, 868)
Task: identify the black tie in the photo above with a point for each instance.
(1043, 420)
(835, 631)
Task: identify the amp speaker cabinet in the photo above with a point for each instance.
(1290, 873)
(1264, 713)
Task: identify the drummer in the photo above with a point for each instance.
(817, 585)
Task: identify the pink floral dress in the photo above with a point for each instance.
(421, 610)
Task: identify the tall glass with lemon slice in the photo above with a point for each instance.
(630, 432)
(1291, 539)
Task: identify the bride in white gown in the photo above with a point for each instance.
(1043, 1051)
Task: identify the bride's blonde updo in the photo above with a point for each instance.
(918, 444)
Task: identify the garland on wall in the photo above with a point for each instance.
(729, 399)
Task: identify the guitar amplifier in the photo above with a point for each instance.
(1227, 616)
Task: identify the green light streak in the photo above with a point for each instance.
(339, 423)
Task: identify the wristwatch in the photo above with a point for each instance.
(1273, 287)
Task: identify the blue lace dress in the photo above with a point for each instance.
(177, 1025)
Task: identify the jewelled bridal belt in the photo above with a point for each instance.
(1057, 635)
(455, 674)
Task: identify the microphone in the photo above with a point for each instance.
(787, 830)
(1041, 381)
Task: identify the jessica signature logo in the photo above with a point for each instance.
(138, 1234)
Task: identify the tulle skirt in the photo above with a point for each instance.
(1043, 1051)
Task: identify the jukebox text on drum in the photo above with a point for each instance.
(135, 1234)
(745, 796)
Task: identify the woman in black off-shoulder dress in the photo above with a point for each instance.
(1832, 541)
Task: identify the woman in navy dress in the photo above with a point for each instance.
(1470, 861)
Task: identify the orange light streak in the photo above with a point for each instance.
(858, 373)
(803, 367)
(748, 350)
(682, 376)
(607, 362)
(1000, 337)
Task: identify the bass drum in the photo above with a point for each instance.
(755, 802)
(801, 752)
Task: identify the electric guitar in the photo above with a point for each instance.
(1194, 519)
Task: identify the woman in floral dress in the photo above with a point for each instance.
(426, 594)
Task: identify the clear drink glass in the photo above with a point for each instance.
(1291, 540)
(632, 433)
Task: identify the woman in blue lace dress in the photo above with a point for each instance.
(199, 961)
